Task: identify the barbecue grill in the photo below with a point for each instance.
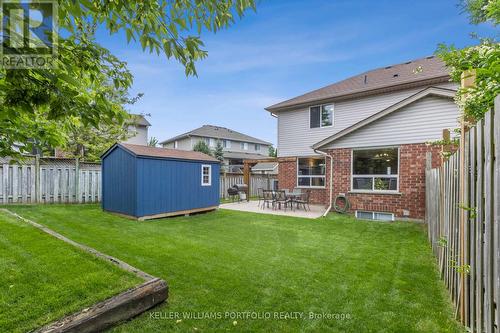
(239, 190)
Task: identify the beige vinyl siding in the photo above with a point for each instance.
(183, 144)
(295, 138)
(140, 135)
(419, 122)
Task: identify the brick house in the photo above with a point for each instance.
(373, 129)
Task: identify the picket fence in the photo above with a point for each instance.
(476, 264)
(49, 180)
(263, 181)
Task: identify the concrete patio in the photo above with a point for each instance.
(253, 207)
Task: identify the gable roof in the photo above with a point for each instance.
(139, 119)
(147, 151)
(423, 71)
(431, 91)
(265, 166)
(217, 132)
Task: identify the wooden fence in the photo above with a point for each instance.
(49, 180)
(467, 247)
(258, 181)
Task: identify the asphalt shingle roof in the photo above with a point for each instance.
(397, 76)
(210, 131)
(167, 153)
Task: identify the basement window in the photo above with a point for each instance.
(377, 216)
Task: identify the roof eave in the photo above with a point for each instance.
(384, 89)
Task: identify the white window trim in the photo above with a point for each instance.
(257, 147)
(320, 120)
(373, 215)
(375, 176)
(203, 166)
(244, 145)
(176, 144)
(227, 144)
(312, 176)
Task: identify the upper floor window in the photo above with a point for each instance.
(244, 145)
(257, 147)
(227, 143)
(176, 144)
(321, 116)
(211, 142)
(375, 169)
(207, 141)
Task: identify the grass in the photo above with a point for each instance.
(381, 275)
(43, 279)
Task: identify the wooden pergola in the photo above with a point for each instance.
(247, 165)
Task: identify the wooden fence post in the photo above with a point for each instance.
(37, 193)
(77, 180)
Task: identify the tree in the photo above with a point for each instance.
(37, 106)
(218, 152)
(153, 142)
(273, 152)
(483, 58)
(482, 10)
(202, 147)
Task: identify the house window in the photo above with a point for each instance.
(176, 144)
(311, 172)
(244, 146)
(375, 169)
(321, 116)
(211, 142)
(363, 215)
(227, 143)
(257, 147)
(206, 175)
(207, 141)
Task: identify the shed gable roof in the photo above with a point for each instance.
(431, 91)
(147, 151)
(423, 71)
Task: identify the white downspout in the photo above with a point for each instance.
(331, 179)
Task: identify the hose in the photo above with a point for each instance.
(345, 207)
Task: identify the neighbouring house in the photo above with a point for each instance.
(237, 146)
(374, 128)
(149, 182)
(138, 128)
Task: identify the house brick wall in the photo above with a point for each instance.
(411, 194)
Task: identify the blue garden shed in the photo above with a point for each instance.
(148, 182)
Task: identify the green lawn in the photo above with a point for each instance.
(381, 275)
(43, 279)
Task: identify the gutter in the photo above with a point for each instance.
(331, 179)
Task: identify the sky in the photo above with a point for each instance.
(284, 49)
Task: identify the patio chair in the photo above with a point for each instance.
(281, 199)
(304, 201)
(260, 194)
(267, 198)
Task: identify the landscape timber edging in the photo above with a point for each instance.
(111, 311)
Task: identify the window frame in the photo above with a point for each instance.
(227, 143)
(256, 147)
(203, 166)
(373, 190)
(320, 115)
(176, 144)
(356, 214)
(244, 145)
(309, 176)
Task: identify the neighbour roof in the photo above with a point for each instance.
(217, 132)
(265, 166)
(245, 156)
(434, 91)
(148, 151)
(139, 119)
(428, 70)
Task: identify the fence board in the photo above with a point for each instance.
(481, 233)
